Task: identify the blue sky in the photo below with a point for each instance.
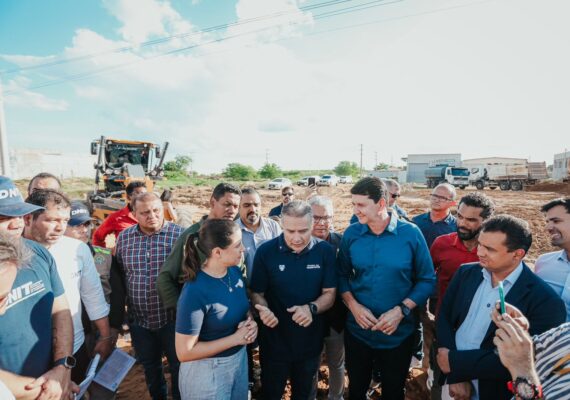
(483, 78)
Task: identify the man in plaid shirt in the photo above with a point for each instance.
(140, 251)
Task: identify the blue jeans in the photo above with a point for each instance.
(215, 378)
(149, 346)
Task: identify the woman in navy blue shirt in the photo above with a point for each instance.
(213, 324)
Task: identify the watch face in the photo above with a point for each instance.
(524, 389)
(70, 362)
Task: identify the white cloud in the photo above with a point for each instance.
(18, 95)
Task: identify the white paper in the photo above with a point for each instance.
(83, 386)
(114, 370)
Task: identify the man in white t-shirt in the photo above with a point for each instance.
(77, 271)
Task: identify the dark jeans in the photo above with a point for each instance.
(149, 346)
(274, 376)
(393, 363)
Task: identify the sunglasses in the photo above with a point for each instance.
(395, 195)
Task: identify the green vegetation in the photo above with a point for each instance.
(239, 172)
(347, 168)
(270, 171)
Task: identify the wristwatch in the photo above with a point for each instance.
(405, 309)
(314, 309)
(68, 362)
(524, 389)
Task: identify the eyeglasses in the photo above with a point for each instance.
(395, 195)
(288, 194)
(436, 197)
(318, 219)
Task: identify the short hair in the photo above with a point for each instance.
(297, 209)
(148, 196)
(249, 190)
(288, 187)
(13, 251)
(564, 202)
(391, 183)
(450, 188)
(222, 188)
(322, 201)
(166, 195)
(132, 186)
(372, 187)
(42, 197)
(479, 200)
(43, 175)
(517, 231)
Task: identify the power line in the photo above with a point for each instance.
(177, 36)
(364, 6)
(79, 76)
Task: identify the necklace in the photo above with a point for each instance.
(229, 284)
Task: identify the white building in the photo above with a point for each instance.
(26, 163)
(418, 163)
(494, 160)
(561, 166)
(393, 173)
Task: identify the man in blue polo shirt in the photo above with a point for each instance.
(438, 220)
(293, 283)
(385, 271)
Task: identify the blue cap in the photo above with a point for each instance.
(12, 203)
(79, 214)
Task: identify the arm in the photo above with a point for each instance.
(423, 274)
(188, 348)
(168, 283)
(104, 229)
(444, 323)
(17, 385)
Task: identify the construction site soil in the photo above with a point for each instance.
(525, 204)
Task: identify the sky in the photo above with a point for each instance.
(303, 84)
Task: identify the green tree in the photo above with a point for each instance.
(381, 167)
(179, 164)
(270, 171)
(239, 172)
(346, 168)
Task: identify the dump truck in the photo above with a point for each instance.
(507, 176)
(120, 162)
(446, 173)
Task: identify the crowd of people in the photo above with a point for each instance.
(451, 291)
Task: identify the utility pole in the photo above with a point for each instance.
(361, 152)
(375, 159)
(4, 157)
(266, 156)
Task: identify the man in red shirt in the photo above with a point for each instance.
(119, 220)
(449, 252)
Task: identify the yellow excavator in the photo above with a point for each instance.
(120, 162)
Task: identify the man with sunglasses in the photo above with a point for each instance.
(288, 195)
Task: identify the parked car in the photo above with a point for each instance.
(345, 179)
(279, 183)
(304, 181)
(328, 180)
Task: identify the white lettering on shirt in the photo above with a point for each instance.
(24, 292)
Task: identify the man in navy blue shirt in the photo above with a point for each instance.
(385, 271)
(293, 283)
(438, 220)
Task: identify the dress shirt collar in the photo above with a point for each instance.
(392, 226)
(510, 279)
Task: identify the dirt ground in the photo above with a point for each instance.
(525, 205)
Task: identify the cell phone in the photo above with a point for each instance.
(311, 182)
(502, 297)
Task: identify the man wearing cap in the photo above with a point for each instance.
(119, 220)
(76, 269)
(79, 227)
(36, 331)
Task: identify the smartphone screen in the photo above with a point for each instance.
(502, 297)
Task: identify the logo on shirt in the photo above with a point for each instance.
(24, 292)
(313, 266)
(281, 267)
(239, 283)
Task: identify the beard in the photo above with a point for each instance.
(468, 234)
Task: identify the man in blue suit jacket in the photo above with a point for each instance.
(466, 353)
